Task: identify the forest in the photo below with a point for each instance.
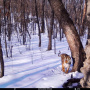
(32, 32)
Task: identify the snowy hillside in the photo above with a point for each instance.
(37, 67)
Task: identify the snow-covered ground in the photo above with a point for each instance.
(37, 67)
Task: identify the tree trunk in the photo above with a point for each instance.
(23, 20)
(1, 55)
(70, 32)
(4, 4)
(85, 81)
(50, 31)
(42, 27)
(38, 23)
(88, 18)
(9, 21)
(1, 61)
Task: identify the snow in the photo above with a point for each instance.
(35, 67)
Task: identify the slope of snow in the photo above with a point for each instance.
(37, 67)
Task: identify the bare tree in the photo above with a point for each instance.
(42, 27)
(5, 14)
(51, 31)
(1, 54)
(38, 23)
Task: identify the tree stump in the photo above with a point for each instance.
(85, 82)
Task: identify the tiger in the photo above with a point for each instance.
(66, 62)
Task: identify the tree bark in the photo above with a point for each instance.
(70, 32)
(50, 31)
(42, 27)
(88, 18)
(4, 5)
(38, 23)
(1, 55)
(9, 29)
